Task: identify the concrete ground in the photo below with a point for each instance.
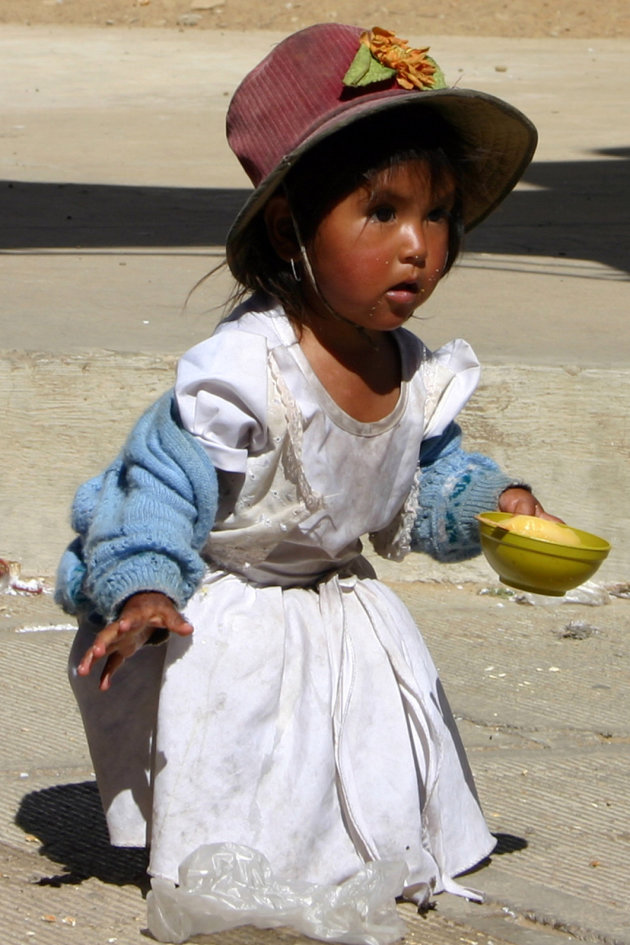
(542, 697)
(116, 189)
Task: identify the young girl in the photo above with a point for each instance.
(303, 718)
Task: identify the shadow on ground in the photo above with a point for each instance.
(68, 820)
(508, 843)
(570, 209)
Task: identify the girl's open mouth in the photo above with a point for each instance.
(403, 292)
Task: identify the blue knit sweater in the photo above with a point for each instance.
(143, 522)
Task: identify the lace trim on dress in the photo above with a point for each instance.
(273, 497)
(432, 370)
(292, 463)
(394, 541)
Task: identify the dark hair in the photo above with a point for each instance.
(339, 164)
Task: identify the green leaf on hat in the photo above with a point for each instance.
(365, 70)
(438, 80)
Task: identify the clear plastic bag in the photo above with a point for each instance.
(225, 885)
(590, 593)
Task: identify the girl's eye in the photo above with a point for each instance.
(439, 215)
(383, 214)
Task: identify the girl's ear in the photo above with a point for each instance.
(280, 229)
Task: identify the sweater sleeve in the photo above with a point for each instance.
(141, 524)
(454, 487)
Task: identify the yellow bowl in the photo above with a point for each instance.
(539, 565)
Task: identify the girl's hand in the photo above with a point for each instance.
(141, 616)
(521, 502)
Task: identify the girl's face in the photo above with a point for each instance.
(380, 252)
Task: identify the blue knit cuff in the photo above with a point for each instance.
(147, 571)
(446, 526)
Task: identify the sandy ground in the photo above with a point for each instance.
(514, 18)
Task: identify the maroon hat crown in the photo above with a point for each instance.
(290, 94)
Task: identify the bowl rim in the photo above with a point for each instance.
(588, 540)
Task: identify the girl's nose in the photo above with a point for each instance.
(415, 247)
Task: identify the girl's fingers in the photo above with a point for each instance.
(181, 627)
(114, 662)
(163, 616)
(101, 645)
(103, 642)
(550, 518)
(96, 652)
(84, 667)
(123, 637)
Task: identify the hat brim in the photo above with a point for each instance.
(501, 139)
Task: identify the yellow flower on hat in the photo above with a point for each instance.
(382, 55)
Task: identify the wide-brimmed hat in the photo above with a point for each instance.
(323, 78)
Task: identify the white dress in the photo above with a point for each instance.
(304, 718)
